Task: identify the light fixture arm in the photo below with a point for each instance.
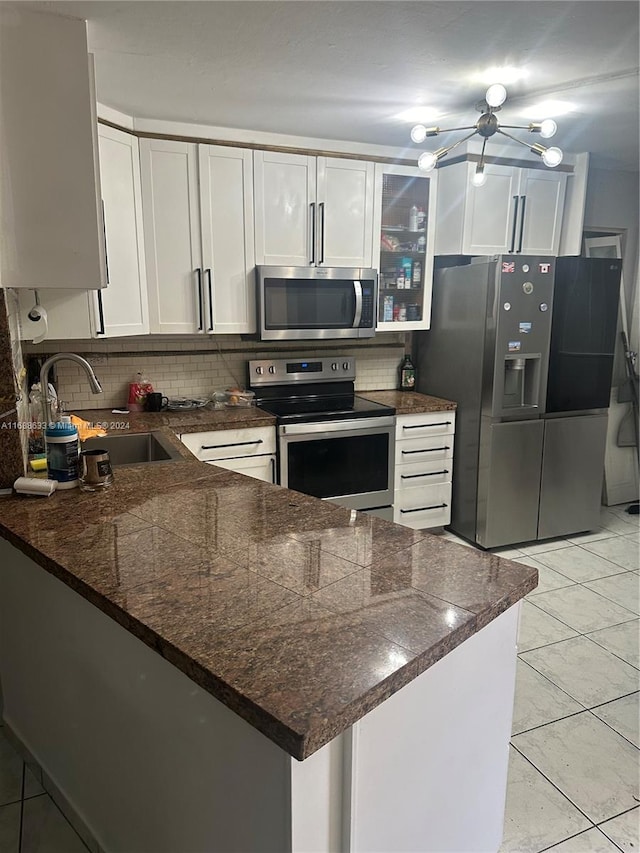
(528, 145)
(459, 142)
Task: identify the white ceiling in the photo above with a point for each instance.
(344, 70)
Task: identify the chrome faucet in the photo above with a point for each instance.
(94, 383)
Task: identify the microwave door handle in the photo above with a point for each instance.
(312, 259)
(357, 289)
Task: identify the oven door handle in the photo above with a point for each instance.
(357, 289)
(356, 425)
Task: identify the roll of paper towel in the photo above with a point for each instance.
(35, 486)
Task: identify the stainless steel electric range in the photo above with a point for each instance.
(332, 443)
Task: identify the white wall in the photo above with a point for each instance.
(611, 205)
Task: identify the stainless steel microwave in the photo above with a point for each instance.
(301, 303)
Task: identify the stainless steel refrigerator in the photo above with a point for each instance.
(525, 346)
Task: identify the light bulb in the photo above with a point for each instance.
(419, 133)
(496, 95)
(552, 157)
(478, 179)
(427, 161)
(548, 128)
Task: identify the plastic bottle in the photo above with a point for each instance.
(139, 387)
(413, 218)
(36, 434)
(407, 375)
(61, 439)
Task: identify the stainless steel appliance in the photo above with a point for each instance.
(300, 303)
(332, 443)
(524, 345)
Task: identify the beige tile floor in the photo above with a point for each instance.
(574, 768)
(574, 764)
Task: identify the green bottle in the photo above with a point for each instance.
(407, 375)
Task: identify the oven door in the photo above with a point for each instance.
(350, 462)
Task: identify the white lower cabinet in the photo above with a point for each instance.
(423, 469)
(248, 450)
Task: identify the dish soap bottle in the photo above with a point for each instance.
(61, 439)
(407, 375)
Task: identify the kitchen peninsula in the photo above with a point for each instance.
(201, 661)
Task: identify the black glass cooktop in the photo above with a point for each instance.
(323, 408)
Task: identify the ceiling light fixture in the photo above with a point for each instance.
(486, 126)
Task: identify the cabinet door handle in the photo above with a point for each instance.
(424, 426)
(428, 474)
(207, 272)
(426, 450)
(233, 444)
(199, 278)
(273, 470)
(523, 199)
(515, 223)
(312, 259)
(422, 508)
(100, 331)
(321, 241)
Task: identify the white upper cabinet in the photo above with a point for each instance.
(515, 211)
(50, 224)
(197, 202)
(313, 211)
(226, 215)
(344, 196)
(285, 208)
(172, 236)
(541, 207)
(405, 207)
(122, 309)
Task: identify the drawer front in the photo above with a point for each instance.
(423, 508)
(259, 467)
(430, 447)
(431, 423)
(228, 443)
(419, 474)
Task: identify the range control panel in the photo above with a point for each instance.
(288, 371)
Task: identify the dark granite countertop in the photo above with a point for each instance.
(298, 614)
(232, 417)
(410, 402)
(197, 420)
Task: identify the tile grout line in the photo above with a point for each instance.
(553, 785)
(590, 711)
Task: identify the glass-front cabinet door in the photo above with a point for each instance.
(405, 227)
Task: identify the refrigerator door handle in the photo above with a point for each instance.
(516, 200)
(523, 199)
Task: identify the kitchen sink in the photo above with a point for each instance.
(134, 448)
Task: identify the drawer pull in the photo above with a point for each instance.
(424, 426)
(233, 444)
(428, 474)
(422, 508)
(426, 450)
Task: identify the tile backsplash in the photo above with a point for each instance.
(183, 367)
